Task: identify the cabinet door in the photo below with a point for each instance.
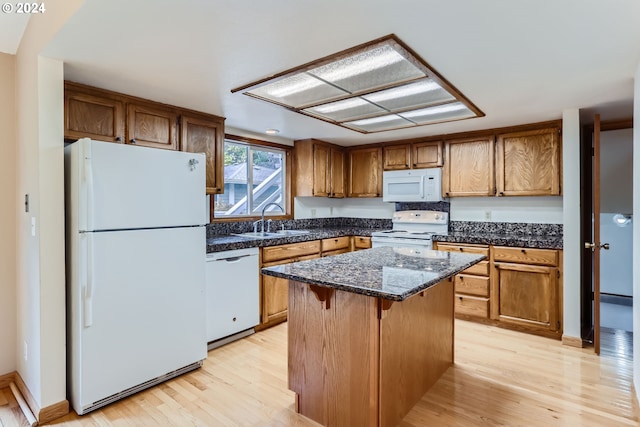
(321, 170)
(90, 115)
(365, 172)
(396, 157)
(274, 299)
(152, 126)
(275, 293)
(337, 173)
(468, 167)
(527, 296)
(427, 154)
(528, 163)
(206, 136)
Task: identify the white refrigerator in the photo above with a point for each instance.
(135, 256)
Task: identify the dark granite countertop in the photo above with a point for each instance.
(390, 273)
(230, 242)
(541, 241)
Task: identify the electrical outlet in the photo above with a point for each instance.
(487, 215)
(25, 351)
(313, 213)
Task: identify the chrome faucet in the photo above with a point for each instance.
(265, 208)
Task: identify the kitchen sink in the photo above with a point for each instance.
(292, 232)
(271, 235)
(258, 235)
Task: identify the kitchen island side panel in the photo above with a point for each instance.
(356, 360)
(333, 355)
(416, 348)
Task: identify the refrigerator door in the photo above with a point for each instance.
(121, 186)
(136, 309)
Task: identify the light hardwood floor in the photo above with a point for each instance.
(500, 378)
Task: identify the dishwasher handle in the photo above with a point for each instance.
(234, 259)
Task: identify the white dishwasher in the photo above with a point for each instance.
(233, 306)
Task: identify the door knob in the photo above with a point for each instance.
(605, 246)
(588, 245)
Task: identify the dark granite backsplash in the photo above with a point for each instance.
(423, 206)
(511, 228)
(224, 228)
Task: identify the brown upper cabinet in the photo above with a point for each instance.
(320, 169)
(415, 155)
(88, 114)
(205, 135)
(469, 167)
(114, 117)
(365, 172)
(528, 163)
(152, 126)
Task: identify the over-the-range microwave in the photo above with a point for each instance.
(412, 185)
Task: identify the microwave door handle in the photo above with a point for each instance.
(422, 187)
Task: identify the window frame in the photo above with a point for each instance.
(288, 198)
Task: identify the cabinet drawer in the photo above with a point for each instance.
(474, 285)
(452, 247)
(479, 269)
(472, 306)
(336, 252)
(291, 250)
(335, 243)
(525, 255)
(361, 242)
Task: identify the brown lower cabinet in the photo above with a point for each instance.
(361, 242)
(517, 288)
(274, 291)
(471, 285)
(274, 294)
(527, 285)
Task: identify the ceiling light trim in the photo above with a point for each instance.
(402, 66)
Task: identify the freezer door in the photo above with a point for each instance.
(137, 309)
(122, 186)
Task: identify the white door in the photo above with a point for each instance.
(143, 311)
(126, 187)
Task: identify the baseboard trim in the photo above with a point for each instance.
(572, 341)
(7, 379)
(53, 412)
(43, 415)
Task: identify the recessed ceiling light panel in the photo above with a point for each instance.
(362, 87)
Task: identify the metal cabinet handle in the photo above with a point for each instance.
(118, 138)
(132, 140)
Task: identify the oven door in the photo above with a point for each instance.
(379, 241)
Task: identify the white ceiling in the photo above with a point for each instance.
(518, 61)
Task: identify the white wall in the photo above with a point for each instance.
(324, 207)
(8, 161)
(543, 210)
(616, 171)
(40, 292)
(571, 221)
(636, 235)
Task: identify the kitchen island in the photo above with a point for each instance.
(369, 331)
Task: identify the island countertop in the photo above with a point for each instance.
(384, 272)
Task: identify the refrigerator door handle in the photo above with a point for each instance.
(88, 178)
(87, 299)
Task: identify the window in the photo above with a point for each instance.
(254, 176)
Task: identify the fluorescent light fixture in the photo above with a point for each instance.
(272, 131)
(377, 86)
(404, 91)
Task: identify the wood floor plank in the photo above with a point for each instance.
(500, 378)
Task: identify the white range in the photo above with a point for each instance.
(412, 229)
